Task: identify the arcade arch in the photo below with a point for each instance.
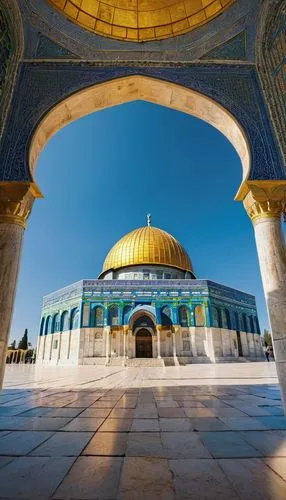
(264, 200)
(133, 88)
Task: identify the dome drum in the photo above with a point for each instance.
(146, 272)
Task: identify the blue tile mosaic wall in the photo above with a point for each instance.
(90, 296)
(41, 86)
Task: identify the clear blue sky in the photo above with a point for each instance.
(103, 173)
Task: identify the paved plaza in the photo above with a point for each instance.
(189, 432)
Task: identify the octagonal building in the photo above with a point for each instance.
(147, 308)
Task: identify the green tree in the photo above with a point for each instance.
(267, 339)
(12, 346)
(23, 344)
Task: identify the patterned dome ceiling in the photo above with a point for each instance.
(147, 245)
(141, 20)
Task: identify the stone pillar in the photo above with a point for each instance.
(192, 334)
(174, 342)
(175, 332)
(159, 328)
(108, 344)
(16, 201)
(265, 201)
(125, 338)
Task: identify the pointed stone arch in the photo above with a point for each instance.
(133, 88)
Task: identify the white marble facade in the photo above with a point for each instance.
(89, 346)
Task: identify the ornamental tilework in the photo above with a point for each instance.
(6, 49)
(272, 64)
(41, 86)
(153, 295)
(233, 49)
(10, 51)
(277, 54)
(49, 49)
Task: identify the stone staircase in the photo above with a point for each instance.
(144, 362)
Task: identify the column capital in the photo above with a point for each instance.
(16, 201)
(264, 199)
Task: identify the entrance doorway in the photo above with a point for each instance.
(240, 353)
(144, 344)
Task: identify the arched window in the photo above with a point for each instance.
(248, 324)
(126, 314)
(256, 325)
(252, 329)
(48, 328)
(228, 318)
(244, 322)
(166, 316)
(241, 322)
(75, 319)
(65, 324)
(225, 319)
(113, 315)
(215, 315)
(238, 321)
(42, 326)
(200, 319)
(234, 321)
(184, 316)
(98, 316)
(56, 323)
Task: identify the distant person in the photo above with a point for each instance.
(266, 352)
(270, 352)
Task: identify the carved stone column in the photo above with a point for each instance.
(265, 202)
(108, 334)
(16, 201)
(159, 328)
(125, 336)
(175, 331)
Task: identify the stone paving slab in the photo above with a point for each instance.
(107, 444)
(90, 478)
(146, 478)
(200, 479)
(228, 445)
(63, 444)
(252, 479)
(112, 433)
(21, 443)
(33, 477)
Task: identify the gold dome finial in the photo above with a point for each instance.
(149, 220)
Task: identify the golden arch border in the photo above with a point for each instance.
(133, 88)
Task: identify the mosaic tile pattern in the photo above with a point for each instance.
(41, 86)
(233, 49)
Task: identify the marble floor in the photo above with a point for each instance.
(188, 432)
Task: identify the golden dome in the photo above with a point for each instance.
(147, 245)
(141, 20)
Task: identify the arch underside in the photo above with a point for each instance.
(133, 88)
